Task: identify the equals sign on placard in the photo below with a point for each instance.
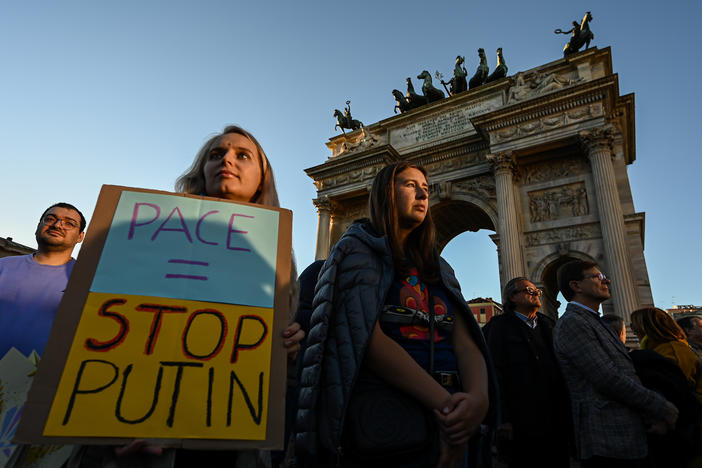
(187, 262)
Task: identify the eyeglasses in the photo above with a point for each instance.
(50, 220)
(532, 291)
(599, 276)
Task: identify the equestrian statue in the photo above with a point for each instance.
(345, 120)
(581, 35)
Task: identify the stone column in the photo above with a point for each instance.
(324, 208)
(598, 145)
(503, 166)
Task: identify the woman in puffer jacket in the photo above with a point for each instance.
(395, 372)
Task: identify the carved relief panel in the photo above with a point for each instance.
(570, 233)
(548, 122)
(553, 170)
(365, 173)
(481, 186)
(558, 202)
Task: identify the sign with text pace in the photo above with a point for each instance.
(174, 308)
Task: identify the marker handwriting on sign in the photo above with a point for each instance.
(160, 382)
(89, 368)
(246, 324)
(147, 221)
(187, 262)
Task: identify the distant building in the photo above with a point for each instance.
(484, 309)
(679, 311)
(8, 248)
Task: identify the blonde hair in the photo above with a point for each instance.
(193, 180)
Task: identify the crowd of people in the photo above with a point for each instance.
(388, 365)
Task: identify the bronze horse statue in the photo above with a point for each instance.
(501, 68)
(343, 121)
(581, 35)
(403, 104)
(415, 100)
(481, 73)
(430, 92)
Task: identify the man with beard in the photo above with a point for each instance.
(533, 396)
(31, 286)
(611, 408)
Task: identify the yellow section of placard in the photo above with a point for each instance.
(165, 368)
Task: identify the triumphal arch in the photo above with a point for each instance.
(539, 157)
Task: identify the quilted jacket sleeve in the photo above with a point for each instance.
(346, 305)
(306, 427)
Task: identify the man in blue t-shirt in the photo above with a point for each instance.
(31, 286)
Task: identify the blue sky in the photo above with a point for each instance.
(125, 93)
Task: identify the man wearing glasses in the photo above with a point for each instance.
(611, 408)
(533, 397)
(31, 286)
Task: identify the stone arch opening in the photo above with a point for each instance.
(463, 221)
(455, 216)
(544, 277)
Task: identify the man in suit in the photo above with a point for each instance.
(611, 408)
(533, 396)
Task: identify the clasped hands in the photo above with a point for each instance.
(459, 419)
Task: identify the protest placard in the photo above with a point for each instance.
(169, 327)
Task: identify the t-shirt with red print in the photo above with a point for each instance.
(405, 319)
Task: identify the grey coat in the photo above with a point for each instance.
(350, 292)
(608, 400)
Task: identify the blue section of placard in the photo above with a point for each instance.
(185, 248)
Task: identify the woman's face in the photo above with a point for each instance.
(233, 169)
(411, 198)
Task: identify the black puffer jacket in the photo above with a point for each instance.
(349, 295)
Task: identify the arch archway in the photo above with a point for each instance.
(544, 277)
(460, 214)
(544, 168)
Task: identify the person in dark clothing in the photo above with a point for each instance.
(616, 323)
(533, 396)
(692, 326)
(389, 316)
(307, 282)
(676, 448)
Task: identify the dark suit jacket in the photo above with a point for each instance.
(533, 395)
(609, 402)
